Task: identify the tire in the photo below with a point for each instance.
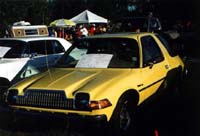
(122, 120)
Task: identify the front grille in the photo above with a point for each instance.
(44, 99)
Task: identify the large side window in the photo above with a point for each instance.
(57, 47)
(151, 51)
(12, 49)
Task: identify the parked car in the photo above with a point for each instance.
(103, 78)
(136, 24)
(24, 57)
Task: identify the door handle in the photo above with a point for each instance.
(139, 85)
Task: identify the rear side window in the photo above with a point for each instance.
(12, 49)
(151, 51)
(57, 47)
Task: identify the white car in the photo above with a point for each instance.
(24, 57)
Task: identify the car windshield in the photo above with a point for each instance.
(11, 49)
(102, 53)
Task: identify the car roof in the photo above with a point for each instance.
(27, 39)
(121, 34)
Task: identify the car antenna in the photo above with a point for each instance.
(47, 62)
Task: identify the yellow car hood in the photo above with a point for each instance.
(74, 80)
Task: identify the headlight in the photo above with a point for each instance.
(83, 102)
(11, 96)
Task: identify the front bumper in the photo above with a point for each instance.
(73, 119)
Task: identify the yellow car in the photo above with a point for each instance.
(102, 78)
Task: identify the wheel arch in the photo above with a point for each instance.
(172, 77)
(131, 93)
(174, 74)
(115, 121)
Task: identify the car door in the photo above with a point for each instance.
(154, 66)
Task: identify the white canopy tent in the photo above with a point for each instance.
(88, 17)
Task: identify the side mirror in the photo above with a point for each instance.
(32, 55)
(150, 64)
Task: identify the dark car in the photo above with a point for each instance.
(136, 24)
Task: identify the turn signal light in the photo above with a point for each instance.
(94, 105)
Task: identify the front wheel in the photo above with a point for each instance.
(122, 120)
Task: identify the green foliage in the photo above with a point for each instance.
(45, 11)
(34, 11)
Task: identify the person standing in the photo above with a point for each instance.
(84, 31)
(55, 33)
(92, 29)
(60, 33)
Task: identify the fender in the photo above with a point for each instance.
(172, 78)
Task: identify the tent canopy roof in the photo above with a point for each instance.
(88, 17)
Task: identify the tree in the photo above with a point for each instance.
(34, 11)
